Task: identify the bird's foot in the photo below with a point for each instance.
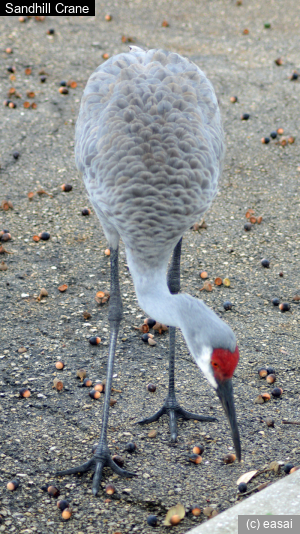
(100, 460)
(174, 411)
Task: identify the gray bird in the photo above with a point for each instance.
(150, 148)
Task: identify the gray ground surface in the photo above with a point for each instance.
(51, 429)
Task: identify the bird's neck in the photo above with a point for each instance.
(153, 294)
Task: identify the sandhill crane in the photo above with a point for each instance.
(150, 148)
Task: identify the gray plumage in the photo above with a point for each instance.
(150, 147)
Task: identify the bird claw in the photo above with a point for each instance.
(97, 464)
(172, 408)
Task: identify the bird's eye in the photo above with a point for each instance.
(215, 364)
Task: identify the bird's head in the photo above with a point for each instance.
(213, 345)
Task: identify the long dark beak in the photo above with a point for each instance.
(225, 394)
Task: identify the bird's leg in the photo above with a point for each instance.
(102, 456)
(171, 406)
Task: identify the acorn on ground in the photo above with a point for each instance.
(227, 305)
(262, 372)
(266, 397)
(66, 187)
(99, 386)
(87, 382)
(43, 293)
(94, 394)
(130, 447)
(195, 458)
(175, 519)
(233, 99)
(265, 140)
(242, 487)
(284, 307)
(275, 302)
(66, 514)
(58, 384)
(81, 373)
(44, 236)
(245, 116)
(229, 458)
(95, 340)
(150, 322)
(53, 491)
(203, 275)
(13, 485)
(59, 365)
(247, 226)
(196, 510)
(198, 449)
(152, 520)
(277, 392)
(151, 388)
(271, 379)
(287, 468)
(85, 212)
(119, 460)
(24, 392)
(269, 421)
(265, 263)
(110, 489)
(62, 505)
